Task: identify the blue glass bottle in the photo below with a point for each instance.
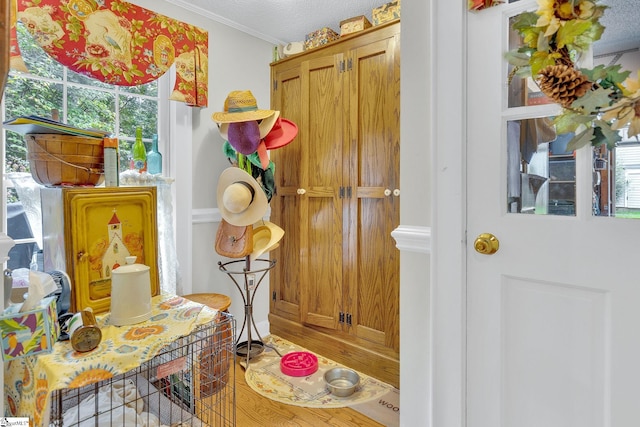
(154, 158)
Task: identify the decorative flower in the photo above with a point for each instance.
(555, 13)
(97, 50)
(627, 110)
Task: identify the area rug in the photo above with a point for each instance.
(385, 409)
(265, 377)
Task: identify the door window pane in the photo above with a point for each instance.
(523, 91)
(616, 179)
(541, 173)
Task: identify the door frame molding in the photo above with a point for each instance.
(450, 84)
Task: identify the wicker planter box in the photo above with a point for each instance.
(65, 160)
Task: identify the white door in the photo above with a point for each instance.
(553, 317)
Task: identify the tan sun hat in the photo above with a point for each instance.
(241, 106)
(266, 236)
(241, 200)
(265, 126)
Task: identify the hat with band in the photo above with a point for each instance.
(240, 197)
(241, 106)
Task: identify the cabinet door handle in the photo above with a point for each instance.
(396, 192)
(301, 191)
(387, 192)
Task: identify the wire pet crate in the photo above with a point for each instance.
(191, 382)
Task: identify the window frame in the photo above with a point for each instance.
(163, 125)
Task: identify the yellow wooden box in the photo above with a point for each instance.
(385, 13)
(353, 25)
(87, 232)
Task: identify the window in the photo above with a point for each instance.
(52, 90)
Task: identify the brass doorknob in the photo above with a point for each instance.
(487, 244)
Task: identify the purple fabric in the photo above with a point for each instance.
(244, 136)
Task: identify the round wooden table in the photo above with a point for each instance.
(218, 302)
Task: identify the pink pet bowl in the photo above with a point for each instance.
(299, 364)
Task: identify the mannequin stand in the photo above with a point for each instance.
(252, 280)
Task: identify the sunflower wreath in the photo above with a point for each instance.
(596, 102)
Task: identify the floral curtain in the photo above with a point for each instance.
(116, 42)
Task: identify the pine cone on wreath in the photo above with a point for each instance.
(562, 83)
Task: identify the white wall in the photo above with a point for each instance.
(237, 61)
(415, 207)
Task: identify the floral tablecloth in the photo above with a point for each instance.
(29, 381)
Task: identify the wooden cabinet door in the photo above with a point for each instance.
(286, 204)
(321, 210)
(306, 283)
(371, 279)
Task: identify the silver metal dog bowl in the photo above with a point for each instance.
(342, 382)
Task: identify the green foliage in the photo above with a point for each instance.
(571, 30)
(570, 122)
(581, 139)
(593, 101)
(603, 134)
(525, 24)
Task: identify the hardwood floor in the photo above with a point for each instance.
(254, 410)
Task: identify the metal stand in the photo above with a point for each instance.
(252, 347)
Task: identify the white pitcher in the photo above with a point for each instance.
(130, 293)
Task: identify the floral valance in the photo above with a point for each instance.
(117, 42)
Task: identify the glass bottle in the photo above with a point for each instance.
(154, 158)
(139, 152)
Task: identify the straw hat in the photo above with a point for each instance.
(240, 198)
(282, 133)
(266, 236)
(241, 106)
(265, 126)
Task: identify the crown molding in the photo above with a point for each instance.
(221, 19)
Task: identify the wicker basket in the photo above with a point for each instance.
(65, 160)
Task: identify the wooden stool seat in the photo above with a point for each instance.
(218, 302)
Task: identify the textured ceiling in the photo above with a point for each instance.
(281, 21)
(284, 21)
(622, 28)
